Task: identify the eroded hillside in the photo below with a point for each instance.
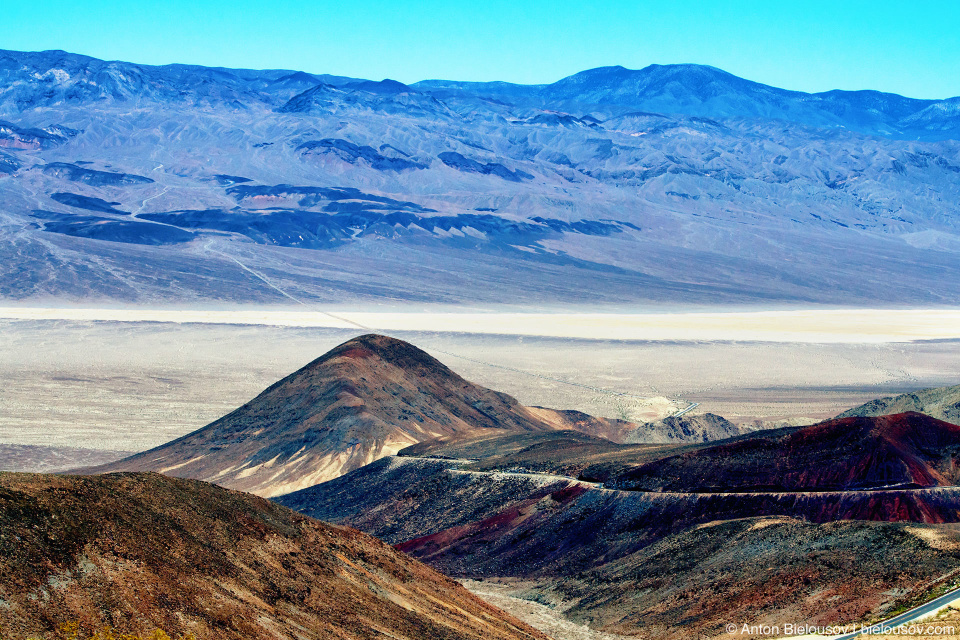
(141, 551)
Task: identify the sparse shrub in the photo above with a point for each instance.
(71, 631)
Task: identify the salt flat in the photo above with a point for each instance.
(799, 325)
(130, 379)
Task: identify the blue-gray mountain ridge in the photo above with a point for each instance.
(676, 183)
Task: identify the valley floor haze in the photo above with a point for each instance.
(109, 381)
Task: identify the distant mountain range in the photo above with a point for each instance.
(55, 78)
(677, 183)
(700, 90)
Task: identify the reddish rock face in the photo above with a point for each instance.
(907, 450)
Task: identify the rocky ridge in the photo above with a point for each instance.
(941, 402)
(136, 552)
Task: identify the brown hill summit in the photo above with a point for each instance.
(363, 400)
(940, 402)
(906, 450)
(143, 551)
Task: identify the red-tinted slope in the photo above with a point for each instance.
(140, 551)
(898, 451)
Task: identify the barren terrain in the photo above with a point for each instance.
(134, 385)
(41, 459)
(141, 551)
(500, 593)
(655, 564)
(175, 185)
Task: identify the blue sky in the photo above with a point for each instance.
(907, 48)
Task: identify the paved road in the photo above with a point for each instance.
(903, 618)
(908, 617)
(693, 405)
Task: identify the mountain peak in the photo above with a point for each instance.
(365, 399)
(652, 71)
(398, 353)
(384, 87)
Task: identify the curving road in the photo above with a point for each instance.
(873, 630)
(906, 617)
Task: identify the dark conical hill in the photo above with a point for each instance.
(363, 400)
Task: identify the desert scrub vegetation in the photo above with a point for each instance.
(73, 631)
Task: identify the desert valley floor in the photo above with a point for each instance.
(131, 385)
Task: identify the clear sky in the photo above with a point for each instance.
(911, 48)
